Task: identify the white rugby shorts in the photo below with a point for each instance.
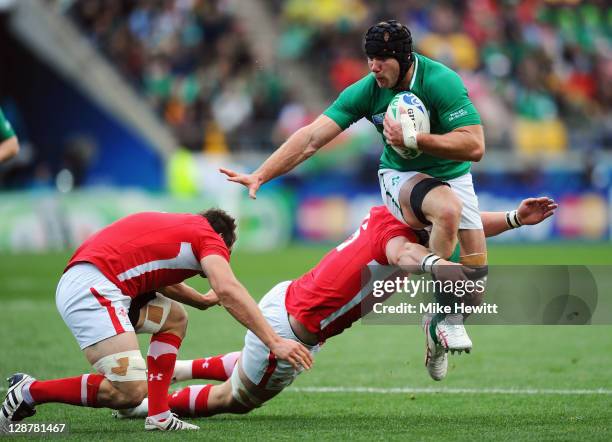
(257, 361)
(391, 181)
(92, 306)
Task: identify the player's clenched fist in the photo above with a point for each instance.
(293, 352)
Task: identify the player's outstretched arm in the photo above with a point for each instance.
(417, 259)
(300, 146)
(8, 149)
(400, 251)
(9, 146)
(189, 296)
(237, 301)
(530, 211)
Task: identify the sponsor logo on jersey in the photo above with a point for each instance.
(457, 114)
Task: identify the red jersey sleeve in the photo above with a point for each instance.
(385, 228)
(210, 243)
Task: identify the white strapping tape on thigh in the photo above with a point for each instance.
(240, 392)
(156, 313)
(123, 367)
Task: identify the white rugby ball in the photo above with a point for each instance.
(417, 111)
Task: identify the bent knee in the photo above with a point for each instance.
(129, 396)
(179, 315)
(449, 215)
(239, 408)
(177, 320)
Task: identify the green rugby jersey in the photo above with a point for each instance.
(6, 130)
(443, 93)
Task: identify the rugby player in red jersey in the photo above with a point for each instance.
(319, 305)
(139, 254)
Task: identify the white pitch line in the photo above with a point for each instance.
(408, 390)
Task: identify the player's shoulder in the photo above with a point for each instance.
(435, 73)
(380, 215)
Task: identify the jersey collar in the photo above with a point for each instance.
(414, 74)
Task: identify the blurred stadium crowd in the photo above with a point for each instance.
(539, 72)
(237, 76)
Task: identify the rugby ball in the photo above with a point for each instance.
(416, 110)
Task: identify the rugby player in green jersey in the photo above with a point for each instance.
(9, 146)
(430, 189)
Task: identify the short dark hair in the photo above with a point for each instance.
(223, 224)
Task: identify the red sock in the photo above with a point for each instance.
(160, 363)
(217, 368)
(80, 390)
(191, 401)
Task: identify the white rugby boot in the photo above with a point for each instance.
(173, 423)
(15, 408)
(451, 334)
(436, 359)
(140, 410)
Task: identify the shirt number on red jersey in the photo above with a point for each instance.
(355, 235)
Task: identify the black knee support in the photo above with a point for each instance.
(418, 193)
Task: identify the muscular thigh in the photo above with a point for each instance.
(396, 188)
(119, 359)
(420, 204)
(152, 312)
(124, 342)
(260, 392)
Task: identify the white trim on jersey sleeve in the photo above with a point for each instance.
(377, 272)
(416, 67)
(184, 260)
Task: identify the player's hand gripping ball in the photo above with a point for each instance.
(411, 113)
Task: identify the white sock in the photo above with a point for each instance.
(182, 370)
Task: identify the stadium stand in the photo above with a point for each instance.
(544, 66)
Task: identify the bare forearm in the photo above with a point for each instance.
(291, 153)
(410, 256)
(186, 295)
(300, 146)
(243, 308)
(494, 223)
(8, 149)
(458, 145)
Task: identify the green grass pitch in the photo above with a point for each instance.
(550, 363)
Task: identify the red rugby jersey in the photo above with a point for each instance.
(329, 298)
(150, 250)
